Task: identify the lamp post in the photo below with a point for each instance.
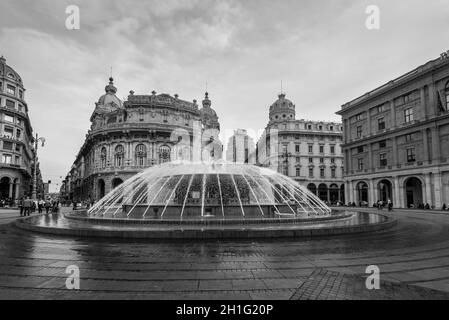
(36, 145)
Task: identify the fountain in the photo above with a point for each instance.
(208, 200)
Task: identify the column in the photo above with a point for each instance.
(368, 121)
(436, 143)
(349, 168)
(425, 146)
(393, 114)
(423, 102)
(395, 151)
(438, 187)
(427, 189)
(371, 194)
(10, 189)
(370, 158)
(397, 191)
(432, 100)
(351, 192)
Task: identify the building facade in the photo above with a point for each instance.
(127, 137)
(306, 151)
(16, 138)
(396, 140)
(241, 148)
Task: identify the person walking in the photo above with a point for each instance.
(27, 205)
(390, 205)
(47, 206)
(21, 206)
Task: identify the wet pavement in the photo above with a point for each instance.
(413, 259)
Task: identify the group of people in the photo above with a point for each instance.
(28, 206)
(382, 204)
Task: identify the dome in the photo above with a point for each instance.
(8, 72)
(110, 98)
(217, 190)
(208, 115)
(282, 109)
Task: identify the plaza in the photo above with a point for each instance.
(413, 259)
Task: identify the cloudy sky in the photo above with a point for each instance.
(321, 50)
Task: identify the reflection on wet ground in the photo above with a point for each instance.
(413, 258)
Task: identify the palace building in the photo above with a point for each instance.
(128, 136)
(396, 140)
(16, 138)
(306, 151)
(241, 148)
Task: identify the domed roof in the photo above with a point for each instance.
(282, 103)
(110, 98)
(206, 110)
(8, 72)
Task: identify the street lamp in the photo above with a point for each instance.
(36, 144)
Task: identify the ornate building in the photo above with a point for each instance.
(396, 139)
(127, 137)
(241, 148)
(307, 151)
(16, 153)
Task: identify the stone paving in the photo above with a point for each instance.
(413, 258)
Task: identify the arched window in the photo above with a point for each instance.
(103, 157)
(119, 156)
(141, 155)
(164, 154)
(446, 92)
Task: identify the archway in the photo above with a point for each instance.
(334, 193)
(385, 190)
(101, 189)
(4, 187)
(312, 188)
(362, 192)
(322, 192)
(116, 182)
(413, 192)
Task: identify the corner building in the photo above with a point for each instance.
(306, 151)
(396, 140)
(127, 137)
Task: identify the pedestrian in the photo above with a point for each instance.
(27, 204)
(390, 205)
(21, 206)
(47, 206)
(40, 205)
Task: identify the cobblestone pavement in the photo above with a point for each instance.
(413, 259)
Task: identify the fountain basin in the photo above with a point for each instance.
(81, 225)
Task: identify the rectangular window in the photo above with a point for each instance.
(310, 148)
(408, 137)
(11, 89)
(333, 173)
(298, 173)
(310, 160)
(381, 124)
(18, 134)
(359, 131)
(360, 164)
(8, 132)
(332, 149)
(408, 115)
(360, 149)
(380, 109)
(21, 94)
(359, 117)
(8, 118)
(321, 173)
(7, 145)
(18, 148)
(17, 160)
(10, 104)
(6, 158)
(411, 155)
(383, 159)
(332, 160)
(297, 148)
(321, 160)
(383, 144)
(331, 128)
(311, 172)
(298, 159)
(321, 149)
